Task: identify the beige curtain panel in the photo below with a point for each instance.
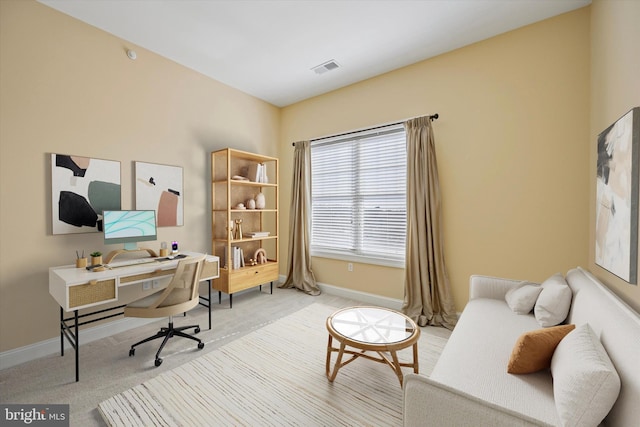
(427, 296)
(300, 275)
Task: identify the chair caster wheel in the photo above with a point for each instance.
(158, 361)
(132, 352)
(200, 345)
(196, 330)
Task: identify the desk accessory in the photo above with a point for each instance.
(81, 261)
(163, 249)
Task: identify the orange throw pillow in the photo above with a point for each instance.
(534, 349)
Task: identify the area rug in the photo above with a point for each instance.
(273, 376)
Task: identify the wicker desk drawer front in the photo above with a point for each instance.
(90, 293)
(210, 269)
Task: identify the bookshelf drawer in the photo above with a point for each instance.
(92, 292)
(249, 277)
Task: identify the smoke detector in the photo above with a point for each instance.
(327, 66)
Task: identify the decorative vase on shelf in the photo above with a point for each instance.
(251, 204)
(260, 201)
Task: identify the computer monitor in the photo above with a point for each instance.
(129, 227)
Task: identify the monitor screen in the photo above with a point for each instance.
(129, 227)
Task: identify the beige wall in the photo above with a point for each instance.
(615, 89)
(69, 88)
(515, 143)
(513, 150)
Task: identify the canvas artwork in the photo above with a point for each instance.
(81, 188)
(159, 188)
(617, 197)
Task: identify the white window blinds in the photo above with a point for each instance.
(358, 196)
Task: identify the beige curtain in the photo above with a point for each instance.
(300, 275)
(427, 295)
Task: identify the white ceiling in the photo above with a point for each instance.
(267, 48)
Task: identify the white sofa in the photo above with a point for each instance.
(470, 386)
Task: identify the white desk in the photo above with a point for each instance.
(77, 288)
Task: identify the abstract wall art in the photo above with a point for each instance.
(616, 236)
(81, 188)
(159, 188)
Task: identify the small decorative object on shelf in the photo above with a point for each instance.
(251, 204)
(96, 258)
(260, 256)
(238, 229)
(260, 201)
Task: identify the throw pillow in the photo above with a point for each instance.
(522, 297)
(585, 382)
(554, 301)
(534, 349)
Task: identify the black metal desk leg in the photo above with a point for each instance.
(209, 282)
(61, 332)
(75, 320)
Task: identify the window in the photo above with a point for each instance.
(358, 196)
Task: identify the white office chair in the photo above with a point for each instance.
(180, 296)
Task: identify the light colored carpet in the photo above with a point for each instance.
(273, 376)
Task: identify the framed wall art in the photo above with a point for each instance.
(81, 188)
(160, 188)
(616, 236)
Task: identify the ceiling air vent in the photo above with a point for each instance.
(327, 66)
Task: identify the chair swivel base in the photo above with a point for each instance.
(167, 333)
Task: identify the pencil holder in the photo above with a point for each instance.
(81, 262)
(164, 251)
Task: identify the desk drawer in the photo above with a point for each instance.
(210, 269)
(147, 276)
(92, 292)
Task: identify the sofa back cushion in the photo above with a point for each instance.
(618, 328)
(522, 298)
(554, 301)
(585, 383)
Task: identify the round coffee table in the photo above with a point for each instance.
(374, 329)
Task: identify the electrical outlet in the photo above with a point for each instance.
(146, 286)
(156, 284)
(350, 266)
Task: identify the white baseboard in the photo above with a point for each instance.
(40, 349)
(392, 303)
(365, 297)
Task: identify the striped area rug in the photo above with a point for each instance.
(273, 376)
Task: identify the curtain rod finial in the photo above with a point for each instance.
(434, 117)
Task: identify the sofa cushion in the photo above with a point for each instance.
(585, 382)
(554, 301)
(477, 352)
(533, 350)
(522, 297)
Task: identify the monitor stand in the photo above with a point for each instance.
(115, 253)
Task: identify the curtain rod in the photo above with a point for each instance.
(432, 117)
